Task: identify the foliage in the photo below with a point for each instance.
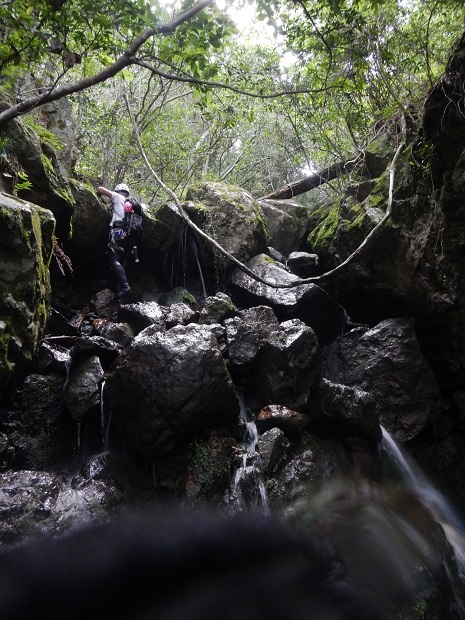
(22, 183)
(206, 102)
(64, 33)
(364, 60)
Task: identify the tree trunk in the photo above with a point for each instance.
(315, 180)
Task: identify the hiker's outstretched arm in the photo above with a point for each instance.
(104, 191)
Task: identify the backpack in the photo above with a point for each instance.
(133, 217)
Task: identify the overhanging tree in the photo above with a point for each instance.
(353, 67)
(35, 32)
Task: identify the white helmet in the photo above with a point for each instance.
(122, 188)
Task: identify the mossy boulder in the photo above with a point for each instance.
(26, 244)
(49, 187)
(231, 217)
(286, 222)
(378, 156)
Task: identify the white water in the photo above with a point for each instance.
(247, 472)
(432, 500)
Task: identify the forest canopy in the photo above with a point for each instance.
(211, 102)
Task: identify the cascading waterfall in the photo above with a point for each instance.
(249, 488)
(437, 505)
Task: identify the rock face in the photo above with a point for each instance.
(169, 384)
(386, 362)
(286, 224)
(89, 222)
(26, 241)
(232, 218)
(48, 187)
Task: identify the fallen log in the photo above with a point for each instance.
(314, 180)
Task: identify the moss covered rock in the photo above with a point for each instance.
(26, 244)
(231, 217)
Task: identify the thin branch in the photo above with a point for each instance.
(192, 80)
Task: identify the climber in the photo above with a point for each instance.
(116, 249)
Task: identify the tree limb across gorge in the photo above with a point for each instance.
(126, 59)
(313, 181)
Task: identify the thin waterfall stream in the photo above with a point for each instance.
(195, 251)
(248, 486)
(437, 505)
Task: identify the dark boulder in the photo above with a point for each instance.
(386, 361)
(168, 386)
(307, 302)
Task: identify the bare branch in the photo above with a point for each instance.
(192, 80)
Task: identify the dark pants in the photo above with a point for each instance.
(117, 259)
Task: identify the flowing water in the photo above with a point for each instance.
(248, 487)
(433, 501)
(195, 251)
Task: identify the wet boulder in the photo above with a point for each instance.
(36, 503)
(289, 365)
(272, 448)
(118, 332)
(35, 423)
(162, 224)
(106, 350)
(26, 502)
(307, 302)
(82, 392)
(286, 223)
(295, 481)
(168, 386)
(141, 315)
(180, 314)
(52, 357)
(339, 411)
(276, 416)
(386, 361)
(243, 342)
(303, 264)
(246, 333)
(217, 309)
(59, 325)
